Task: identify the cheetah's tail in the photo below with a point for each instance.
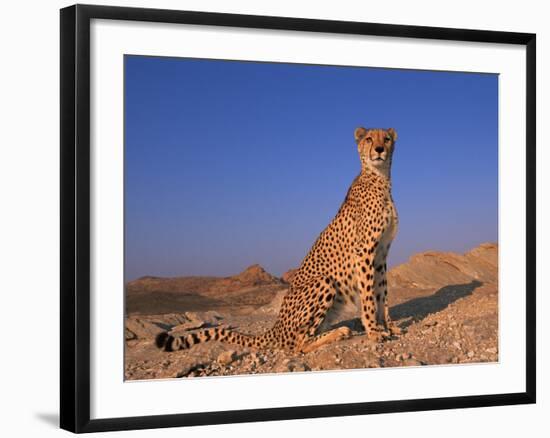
(167, 342)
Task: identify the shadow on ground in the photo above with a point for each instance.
(418, 308)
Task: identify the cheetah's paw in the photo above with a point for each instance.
(394, 330)
(344, 333)
(378, 334)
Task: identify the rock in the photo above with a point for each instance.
(274, 306)
(404, 356)
(492, 350)
(188, 325)
(227, 357)
(470, 354)
(129, 334)
(196, 320)
(191, 370)
(292, 365)
(142, 329)
(172, 319)
(412, 362)
(257, 359)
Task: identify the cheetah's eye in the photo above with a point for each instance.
(369, 139)
(387, 139)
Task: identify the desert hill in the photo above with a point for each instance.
(252, 276)
(253, 286)
(435, 269)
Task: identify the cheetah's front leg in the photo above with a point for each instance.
(365, 271)
(381, 296)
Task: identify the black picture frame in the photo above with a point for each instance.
(75, 217)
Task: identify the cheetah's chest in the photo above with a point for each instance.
(391, 228)
(348, 301)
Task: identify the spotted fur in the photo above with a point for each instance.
(345, 267)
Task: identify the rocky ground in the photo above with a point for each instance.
(445, 303)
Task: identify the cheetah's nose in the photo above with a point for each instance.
(379, 149)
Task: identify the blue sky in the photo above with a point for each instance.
(231, 163)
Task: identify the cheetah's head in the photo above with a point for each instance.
(375, 147)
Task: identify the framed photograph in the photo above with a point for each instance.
(268, 218)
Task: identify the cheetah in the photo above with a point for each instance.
(345, 267)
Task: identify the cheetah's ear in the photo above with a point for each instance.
(360, 134)
(393, 134)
